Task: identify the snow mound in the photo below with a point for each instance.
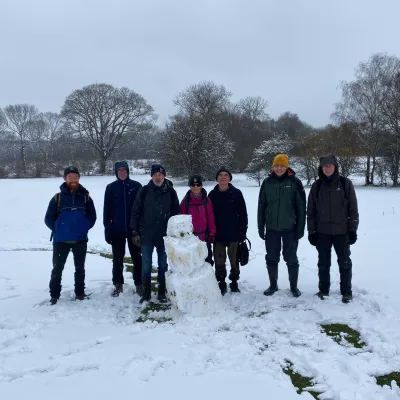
(180, 226)
(191, 284)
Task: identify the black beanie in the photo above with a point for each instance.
(157, 168)
(195, 179)
(223, 169)
(71, 170)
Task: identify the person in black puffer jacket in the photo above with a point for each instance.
(155, 203)
(231, 222)
(332, 220)
(118, 202)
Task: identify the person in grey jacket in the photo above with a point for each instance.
(154, 204)
(332, 220)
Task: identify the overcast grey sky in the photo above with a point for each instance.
(293, 53)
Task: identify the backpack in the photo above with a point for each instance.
(343, 182)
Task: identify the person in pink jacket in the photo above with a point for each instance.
(199, 206)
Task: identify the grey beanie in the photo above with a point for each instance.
(325, 160)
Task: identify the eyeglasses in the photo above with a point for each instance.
(196, 184)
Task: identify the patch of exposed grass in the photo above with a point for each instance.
(154, 307)
(300, 382)
(387, 379)
(338, 332)
(105, 255)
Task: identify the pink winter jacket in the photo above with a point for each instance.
(203, 220)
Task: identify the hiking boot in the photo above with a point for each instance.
(234, 287)
(222, 287)
(347, 298)
(139, 290)
(53, 301)
(82, 297)
(161, 293)
(295, 292)
(321, 295)
(146, 296)
(270, 291)
(118, 288)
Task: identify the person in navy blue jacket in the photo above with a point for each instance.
(118, 201)
(70, 215)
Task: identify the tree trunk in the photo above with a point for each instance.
(102, 161)
(23, 157)
(373, 169)
(367, 171)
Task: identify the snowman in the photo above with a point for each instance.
(191, 284)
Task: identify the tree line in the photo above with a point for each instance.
(100, 123)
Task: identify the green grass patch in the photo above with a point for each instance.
(338, 332)
(300, 382)
(387, 379)
(106, 255)
(154, 307)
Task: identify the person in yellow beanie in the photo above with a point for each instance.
(281, 221)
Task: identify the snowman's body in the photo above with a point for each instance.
(191, 284)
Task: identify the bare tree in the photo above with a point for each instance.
(361, 106)
(106, 117)
(391, 113)
(253, 108)
(18, 117)
(206, 100)
(3, 120)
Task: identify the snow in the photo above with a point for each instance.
(95, 349)
(190, 281)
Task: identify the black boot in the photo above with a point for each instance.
(161, 292)
(146, 290)
(53, 301)
(234, 287)
(293, 271)
(118, 288)
(222, 287)
(273, 280)
(347, 298)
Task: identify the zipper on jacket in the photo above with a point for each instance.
(279, 204)
(123, 188)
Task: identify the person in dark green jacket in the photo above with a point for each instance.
(281, 221)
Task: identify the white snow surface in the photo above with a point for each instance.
(95, 349)
(191, 284)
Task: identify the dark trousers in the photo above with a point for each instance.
(287, 242)
(209, 257)
(60, 255)
(118, 249)
(342, 249)
(147, 255)
(220, 261)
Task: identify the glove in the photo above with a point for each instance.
(242, 237)
(261, 233)
(136, 239)
(313, 239)
(211, 239)
(299, 235)
(107, 235)
(352, 237)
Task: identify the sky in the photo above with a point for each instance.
(293, 53)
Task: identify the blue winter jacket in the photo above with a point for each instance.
(75, 216)
(118, 201)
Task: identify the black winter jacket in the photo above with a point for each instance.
(151, 211)
(118, 202)
(332, 208)
(230, 213)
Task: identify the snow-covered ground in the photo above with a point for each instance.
(95, 349)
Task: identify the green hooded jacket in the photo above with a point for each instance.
(282, 204)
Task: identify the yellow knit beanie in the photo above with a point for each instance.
(281, 159)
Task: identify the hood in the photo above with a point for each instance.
(321, 175)
(64, 189)
(121, 164)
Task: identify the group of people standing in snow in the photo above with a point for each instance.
(138, 215)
